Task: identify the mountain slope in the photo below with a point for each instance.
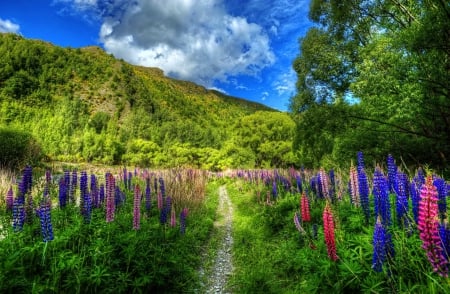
(84, 104)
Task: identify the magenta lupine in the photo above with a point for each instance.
(428, 227)
(110, 199)
(137, 208)
(9, 199)
(304, 208)
(328, 230)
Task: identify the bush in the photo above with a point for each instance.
(18, 148)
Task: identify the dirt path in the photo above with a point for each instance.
(223, 264)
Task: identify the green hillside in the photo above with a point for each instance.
(85, 105)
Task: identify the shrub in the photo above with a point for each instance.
(18, 148)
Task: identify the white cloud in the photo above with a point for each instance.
(285, 83)
(192, 40)
(264, 95)
(7, 26)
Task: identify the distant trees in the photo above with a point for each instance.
(373, 76)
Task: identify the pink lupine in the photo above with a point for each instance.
(428, 227)
(328, 229)
(354, 186)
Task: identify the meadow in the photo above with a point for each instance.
(379, 229)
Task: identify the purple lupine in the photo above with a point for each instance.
(379, 246)
(381, 197)
(101, 195)
(119, 196)
(125, 173)
(137, 208)
(73, 186)
(130, 176)
(18, 214)
(392, 172)
(46, 221)
(110, 201)
(332, 190)
(27, 180)
(48, 181)
(148, 200)
(166, 210)
(363, 186)
(160, 200)
(162, 188)
(9, 199)
(441, 187)
(274, 190)
(299, 184)
(86, 205)
(313, 184)
(94, 191)
(401, 203)
(62, 196)
(183, 218)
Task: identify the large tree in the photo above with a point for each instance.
(377, 72)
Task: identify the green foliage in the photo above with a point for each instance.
(18, 148)
(85, 105)
(387, 63)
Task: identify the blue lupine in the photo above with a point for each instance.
(73, 186)
(119, 196)
(381, 197)
(46, 221)
(364, 193)
(162, 187)
(379, 246)
(401, 203)
(333, 185)
(165, 210)
(274, 190)
(101, 194)
(360, 161)
(94, 191)
(148, 200)
(18, 214)
(441, 187)
(85, 197)
(415, 199)
(444, 234)
(392, 172)
(299, 184)
(319, 184)
(313, 185)
(183, 217)
(62, 193)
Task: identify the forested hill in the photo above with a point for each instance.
(85, 105)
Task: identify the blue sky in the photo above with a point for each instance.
(242, 48)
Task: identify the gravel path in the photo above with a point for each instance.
(223, 265)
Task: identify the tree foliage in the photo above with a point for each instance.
(374, 75)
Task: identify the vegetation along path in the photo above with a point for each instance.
(223, 265)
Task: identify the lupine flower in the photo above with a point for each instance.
(354, 186)
(101, 195)
(274, 189)
(428, 227)
(110, 201)
(328, 229)
(130, 175)
(444, 234)
(119, 196)
(298, 224)
(379, 246)
(166, 210)
(18, 214)
(162, 187)
(183, 217)
(62, 193)
(415, 198)
(401, 203)
(9, 199)
(299, 184)
(148, 200)
(332, 190)
(364, 193)
(160, 200)
(94, 191)
(392, 172)
(323, 184)
(360, 161)
(48, 181)
(173, 218)
(381, 197)
(86, 205)
(137, 208)
(46, 221)
(313, 184)
(306, 215)
(73, 186)
(125, 173)
(441, 187)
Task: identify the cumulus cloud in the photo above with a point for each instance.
(285, 83)
(7, 26)
(195, 40)
(264, 95)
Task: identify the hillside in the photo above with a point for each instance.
(85, 105)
